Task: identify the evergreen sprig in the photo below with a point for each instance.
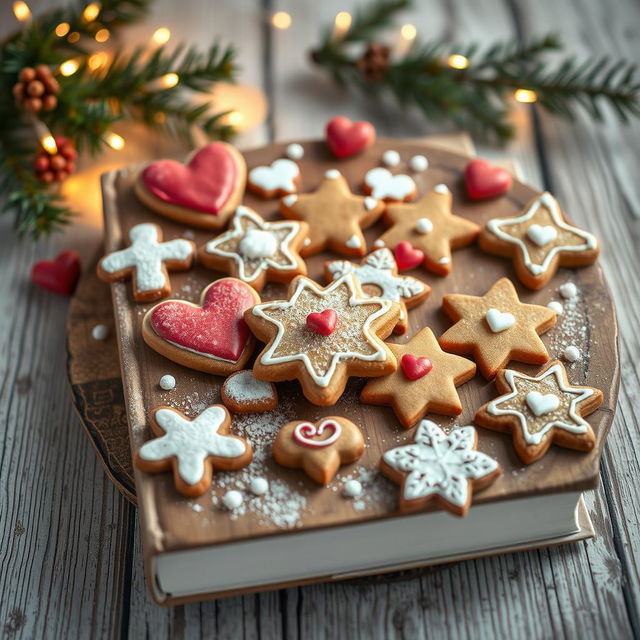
(478, 97)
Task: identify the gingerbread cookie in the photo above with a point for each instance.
(280, 178)
(242, 392)
(541, 409)
(335, 216)
(212, 336)
(203, 193)
(539, 241)
(382, 184)
(146, 260)
(496, 328)
(255, 251)
(193, 449)
(430, 227)
(425, 382)
(318, 448)
(440, 467)
(378, 276)
(322, 335)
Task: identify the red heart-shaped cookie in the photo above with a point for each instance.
(483, 180)
(59, 275)
(415, 367)
(345, 137)
(323, 322)
(407, 256)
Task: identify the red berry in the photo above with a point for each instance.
(18, 91)
(43, 72)
(71, 167)
(68, 152)
(49, 102)
(47, 177)
(35, 88)
(27, 74)
(33, 104)
(42, 163)
(61, 175)
(58, 162)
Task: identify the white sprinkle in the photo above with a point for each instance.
(100, 332)
(571, 353)
(332, 174)
(259, 486)
(441, 188)
(568, 290)
(232, 499)
(295, 151)
(418, 163)
(307, 242)
(370, 203)
(391, 158)
(556, 306)
(188, 234)
(352, 489)
(197, 508)
(444, 260)
(353, 242)
(167, 382)
(289, 201)
(424, 225)
(378, 243)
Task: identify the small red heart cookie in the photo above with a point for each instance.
(345, 137)
(483, 180)
(407, 256)
(210, 337)
(202, 193)
(415, 367)
(59, 275)
(323, 322)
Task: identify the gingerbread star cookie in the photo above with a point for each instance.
(541, 409)
(318, 448)
(323, 335)
(440, 467)
(335, 216)
(255, 251)
(496, 328)
(430, 227)
(425, 381)
(378, 275)
(539, 240)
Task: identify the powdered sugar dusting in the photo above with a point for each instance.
(244, 387)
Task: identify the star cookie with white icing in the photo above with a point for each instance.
(541, 409)
(192, 448)
(438, 467)
(430, 226)
(322, 335)
(496, 328)
(256, 251)
(335, 216)
(539, 240)
(378, 275)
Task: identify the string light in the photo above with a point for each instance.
(281, 20)
(167, 81)
(525, 95)
(235, 119)
(62, 29)
(342, 24)
(458, 61)
(161, 35)
(21, 11)
(114, 140)
(48, 143)
(69, 67)
(102, 35)
(408, 32)
(73, 37)
(97, 60)
(91, 11)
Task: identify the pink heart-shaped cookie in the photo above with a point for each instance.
(483, 180)
(345, 137)
(59, 275)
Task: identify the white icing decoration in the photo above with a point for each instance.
(322, 379)
(191, 441)
(258, 244)
(385, 185)
(499, 320)
(305, 432)
(378, 243)
(279, 176)
(307, 242)
(424, 225)
(441, 189)
(295, 151)
(550, 203)
(440, 464)
(332, 174)
(354, 242)
(556, 306)
(542, 234)
(100, 332)
(290, 200)
(232, 499)
(568, 290)
(146, 255)
(542, 403)
(577, 424)
(571, 353)
(259, 486)
(352, 489)
(370, 203)
(418, 163)
(444, 260)
(245, 387)
(391, 158)
(167, 382)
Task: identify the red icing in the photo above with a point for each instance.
(414, 367)
(215, 329)
(206, 184)
(59, 275)
(483, 180)
(407, 256)
(346, 138)
(323, 322)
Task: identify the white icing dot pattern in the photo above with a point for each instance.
(391, 158)
(418, 163)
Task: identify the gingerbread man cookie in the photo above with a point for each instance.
(323, 335)
(496, 328)
(378, 275)
(280, 178)
(335, 216)
(255, 251)
(146, 260)
(193, 449)
(541, 409)
(318, 448)
(539, 240)
(440, 467)
(425, 381)
(429, 226)
(242, 392)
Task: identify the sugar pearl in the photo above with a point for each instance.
(100, 332)
(391, 158)
(259, 486)
(441, 188)
(295, 151)
(568, 290)
(418, 163)
(167, 382)
(571, 353)
(332, 174)
(556, 306)
(232, 500)
(352, 488)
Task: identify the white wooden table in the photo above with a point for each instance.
(70, 558)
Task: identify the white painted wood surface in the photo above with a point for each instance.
(70, 560)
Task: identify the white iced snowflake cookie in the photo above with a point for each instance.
(243, 393)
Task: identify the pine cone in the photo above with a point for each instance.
(58, 166)
(374, 61)
(36, 89)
